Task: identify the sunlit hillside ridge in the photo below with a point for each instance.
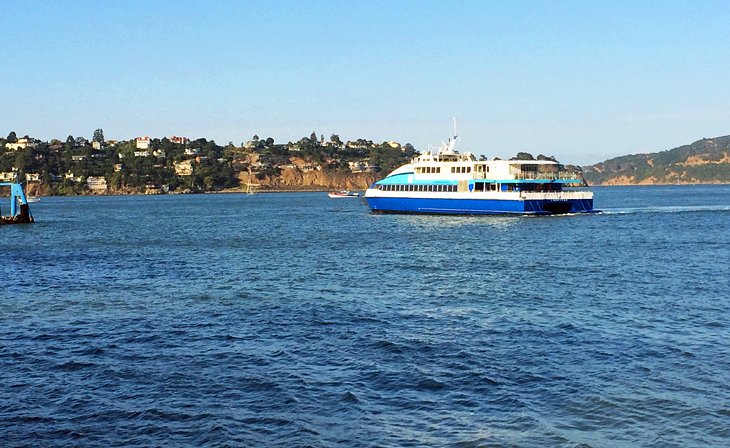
(705, 161)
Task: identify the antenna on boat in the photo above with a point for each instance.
(448, 147)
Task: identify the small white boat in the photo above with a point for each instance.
(343, 194)
(34, 199)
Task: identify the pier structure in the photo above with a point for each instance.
(19, 209)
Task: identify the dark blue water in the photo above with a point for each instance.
(297, 320)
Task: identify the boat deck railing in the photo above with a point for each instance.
(531, 175)
(556, 195)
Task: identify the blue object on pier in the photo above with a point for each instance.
(19, 209)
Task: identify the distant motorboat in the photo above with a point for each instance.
(343, 194)
(34, 199)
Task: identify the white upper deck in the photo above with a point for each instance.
(448, 164)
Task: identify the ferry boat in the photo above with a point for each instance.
(449, 182)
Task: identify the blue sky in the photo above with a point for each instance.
(580, 80)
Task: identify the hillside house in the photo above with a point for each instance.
(184, 168)
(143, 142)
(179, 140)
(8, 176)
(22, 143)
(96, 184)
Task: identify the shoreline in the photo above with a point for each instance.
(189, 194)
(326, 190)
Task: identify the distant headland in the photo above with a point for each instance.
(705, 161)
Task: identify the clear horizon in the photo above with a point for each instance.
(583, 82)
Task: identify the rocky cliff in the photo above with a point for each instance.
(294, 179)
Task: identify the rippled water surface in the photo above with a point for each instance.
(298, 320)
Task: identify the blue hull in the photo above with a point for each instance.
(478, 206)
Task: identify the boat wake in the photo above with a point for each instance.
(666, 209)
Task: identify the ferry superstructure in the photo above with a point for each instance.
(449, 182)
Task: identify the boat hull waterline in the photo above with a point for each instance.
(478, 206)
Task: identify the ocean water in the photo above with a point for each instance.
(297, 320)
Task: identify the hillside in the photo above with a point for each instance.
(704, 161)
(180, 165)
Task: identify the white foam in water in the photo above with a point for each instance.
(667, 209)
